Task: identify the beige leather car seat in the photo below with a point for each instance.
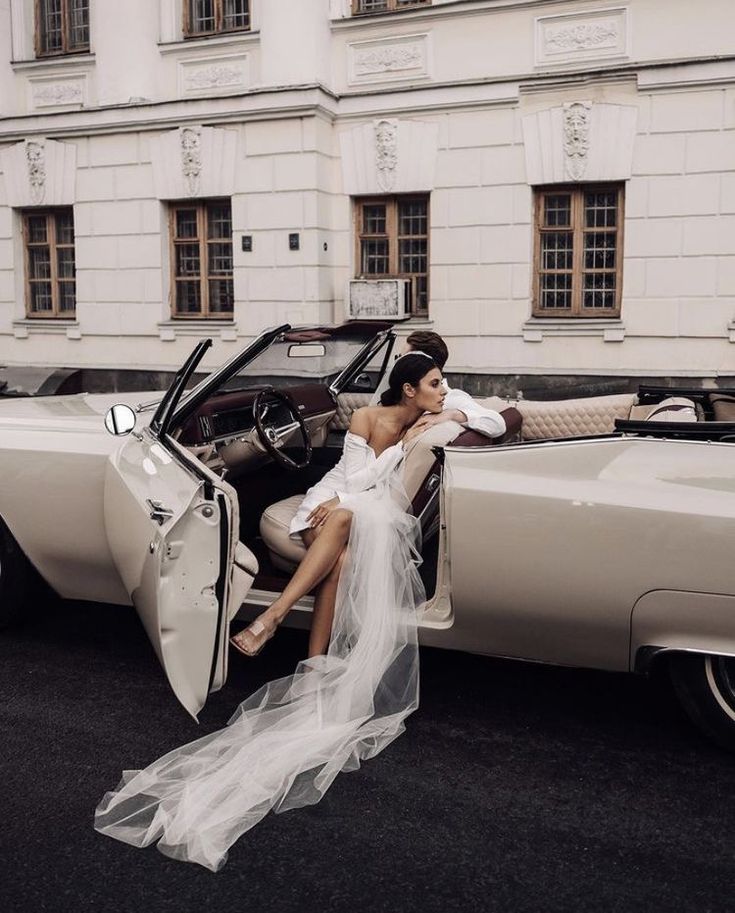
(286, 553)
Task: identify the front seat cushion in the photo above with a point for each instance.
(286, 553)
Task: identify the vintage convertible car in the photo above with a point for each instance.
(597, 532)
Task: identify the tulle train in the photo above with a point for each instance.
(286, 743)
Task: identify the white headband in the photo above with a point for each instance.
(415, 352)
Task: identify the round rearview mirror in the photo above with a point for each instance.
(120, 419)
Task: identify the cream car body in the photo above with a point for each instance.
(606, 551)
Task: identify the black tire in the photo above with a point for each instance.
(15, 579)
(705, 686)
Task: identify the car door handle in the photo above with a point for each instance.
(157, 512)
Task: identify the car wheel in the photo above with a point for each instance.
(14, 578)
(705, 686)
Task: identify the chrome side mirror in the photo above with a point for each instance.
(120, 419)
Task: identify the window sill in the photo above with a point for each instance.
(61, 62)
(420, 13)
(59, 326)
(169, 330)
(230, 40)
(610, 329)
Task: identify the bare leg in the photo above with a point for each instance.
(316, 564)
(323, 615)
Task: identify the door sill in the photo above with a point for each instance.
(299, 616)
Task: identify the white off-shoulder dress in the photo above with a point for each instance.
(285, 743)
(358, 470)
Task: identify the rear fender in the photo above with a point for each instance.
(672, 620)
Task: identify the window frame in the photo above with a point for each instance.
(391, 202)
(201, 207)
(392, 6)
(50, 214)
(577, 191)
(65, 30)
(190, 35)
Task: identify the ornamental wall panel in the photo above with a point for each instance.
(579, 37)
(40, 172)
(579, 141)
(389, 155)
(210, 75)
(406, 57)
(69, 90)
(194, 162)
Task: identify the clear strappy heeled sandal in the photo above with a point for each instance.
(257, 634)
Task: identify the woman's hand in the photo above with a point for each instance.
(319, 515)
(430, 419)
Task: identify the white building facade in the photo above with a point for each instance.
(553, 183)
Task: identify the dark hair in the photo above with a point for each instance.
(431, 344)
(409, 369)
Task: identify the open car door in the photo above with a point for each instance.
(172, 532)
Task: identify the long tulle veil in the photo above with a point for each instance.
(286, 743)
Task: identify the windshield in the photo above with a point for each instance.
(313, 355)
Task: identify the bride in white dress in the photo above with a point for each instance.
(286, 743)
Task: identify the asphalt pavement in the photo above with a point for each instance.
(514, 788)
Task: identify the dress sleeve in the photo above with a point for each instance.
(362, 471)
(486, 421)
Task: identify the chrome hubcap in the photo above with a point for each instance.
(721, 679)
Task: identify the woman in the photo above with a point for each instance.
(288, 741)
(373, 448)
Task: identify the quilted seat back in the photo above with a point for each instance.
(346, 405)
(570, 417)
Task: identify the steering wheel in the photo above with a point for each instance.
(271, 437)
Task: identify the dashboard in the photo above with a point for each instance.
(229, 414)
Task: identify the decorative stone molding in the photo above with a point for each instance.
(576, 137)
(388, 59)
(389, 156)
(36, 167)
(170, 330)
(213, 74)
(55, 91)
(386, 152)
(190, 141)
(40, 172)
(194, 161)
(589, 34)
(579, 141)
(26, 327)
(534, 329)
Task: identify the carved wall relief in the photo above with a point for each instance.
(579, 141)
(386, 152)
(391, 59)
(191, 157)
(38, 172)
(387, 59)
(572, 37)
(213, 77)
(57, 93)
(194, 161)
(36, 163)
(582, 37)
(389, 155)
(213, 74)
(577, 116)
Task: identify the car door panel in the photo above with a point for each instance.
(170, 566)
